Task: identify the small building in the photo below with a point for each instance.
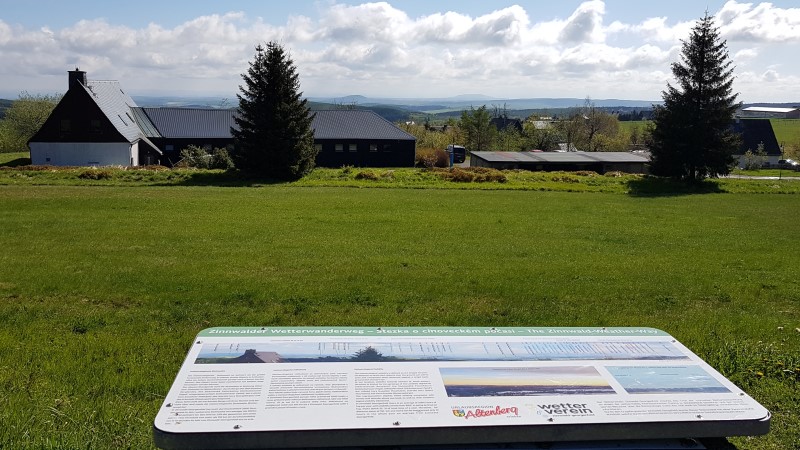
(505, 123)
(765, 112)
(600, 162)
(92, 125)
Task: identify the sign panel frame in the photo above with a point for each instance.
(296, 387)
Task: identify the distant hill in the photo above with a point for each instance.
(390, 113)
(463, 102)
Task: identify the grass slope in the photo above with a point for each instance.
(103, 288)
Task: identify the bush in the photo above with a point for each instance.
(367, 175)
(430, 157)
(473, 174)
(199, 158)
(96, 174)
(221, 159)
(755, 161)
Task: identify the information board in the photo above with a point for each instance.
(282, 387)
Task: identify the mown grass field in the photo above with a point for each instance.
(787, 131)
(103, 287)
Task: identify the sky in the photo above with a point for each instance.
(613, 49)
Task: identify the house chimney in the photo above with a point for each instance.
(76, 78)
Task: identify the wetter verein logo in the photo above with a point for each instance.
(478, 412)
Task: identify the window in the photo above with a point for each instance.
(387, 147)
(353, 148)
(339, 147)
(318, 147)
(94, 124)
(66, 125)
(373, 148)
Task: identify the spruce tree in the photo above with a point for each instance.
(274, 138)
(693, 137)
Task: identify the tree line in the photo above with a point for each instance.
(587, 128)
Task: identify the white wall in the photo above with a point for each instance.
(84, 154)
(772, 160)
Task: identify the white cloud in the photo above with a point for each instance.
(655, 29)
(745, 54)
(770, 76)
(377, 49)
(585, 24)
(760, 23)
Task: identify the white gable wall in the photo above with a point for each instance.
(85, 153)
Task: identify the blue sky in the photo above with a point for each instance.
(598, 49)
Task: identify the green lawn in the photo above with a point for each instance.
(787, 131)
(15, 159)
(102, 288)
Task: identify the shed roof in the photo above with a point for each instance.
(562, 157)
(767, 109)
(355, 124)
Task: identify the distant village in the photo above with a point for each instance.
(96, 123)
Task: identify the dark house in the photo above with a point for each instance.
(92, 125)
(97, 124)
(361, 138)
(174, 129)
(505, 123)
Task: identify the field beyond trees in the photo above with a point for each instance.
(102, 288)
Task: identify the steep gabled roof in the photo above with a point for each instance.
(355, 124)
(178, 123)
(754, 132)
(117, 107)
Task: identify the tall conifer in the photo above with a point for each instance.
(274, 137)
(693, 136)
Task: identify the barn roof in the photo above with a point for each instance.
(187, 122)
(217, 123)
(355, 124)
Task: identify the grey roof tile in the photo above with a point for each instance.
(192, 122)
(116, 105)
(355, 124)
